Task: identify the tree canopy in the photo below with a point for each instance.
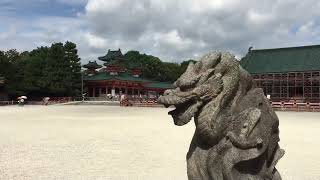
(45, 71)
(56, 70)
(153, 68)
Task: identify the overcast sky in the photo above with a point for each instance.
(173, 30)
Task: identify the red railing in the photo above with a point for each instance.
(5, 103)
(140, 102)
(58, 100)
(296, 106)
(52, 100)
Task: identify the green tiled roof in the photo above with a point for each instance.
(100, 76)
(92, 64)
(121, 76)
(292, 59)
(111, 55)
(162, 85)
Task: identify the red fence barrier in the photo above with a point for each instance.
(296, 106)
(52, 100)
(139, 102)
(58, 100)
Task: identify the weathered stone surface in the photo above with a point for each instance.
(237, 132)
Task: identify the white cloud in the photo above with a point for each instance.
(95, 41)
(170, 29)
(307, 28)
(103, 6)
(73, 2)
(259, 18)
(172, 39)
(182, 28)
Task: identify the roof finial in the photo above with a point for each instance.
(250, 48)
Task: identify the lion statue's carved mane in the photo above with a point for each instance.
(237, 134)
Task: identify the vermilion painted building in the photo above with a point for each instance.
(286, 74)
(116, 79)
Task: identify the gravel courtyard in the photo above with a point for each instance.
(117, 143)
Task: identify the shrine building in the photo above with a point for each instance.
(286, 74)
(116, 78)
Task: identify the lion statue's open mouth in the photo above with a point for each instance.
(185, 108)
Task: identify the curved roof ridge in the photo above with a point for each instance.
(288, 48)
(293, 59)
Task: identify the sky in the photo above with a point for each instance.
(174, 30)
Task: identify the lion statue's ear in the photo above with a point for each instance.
(188, 78)
(190, 67)
(210, 60)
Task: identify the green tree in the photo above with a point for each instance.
(170, 71)
(153, 68)
(12, 68)
(71, 57)
(34, 72)
(53, 71)
(56, 72)
(150, 65)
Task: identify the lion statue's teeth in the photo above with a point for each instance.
(237, 132)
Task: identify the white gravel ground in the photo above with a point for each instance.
(118, 143)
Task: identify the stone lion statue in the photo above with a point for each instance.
(236, 134)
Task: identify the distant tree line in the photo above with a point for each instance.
(153, 68)
(56, 70)
(45, 71)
